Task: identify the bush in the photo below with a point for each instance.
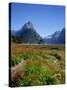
(57, 56)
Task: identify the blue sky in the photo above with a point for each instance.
(46, 19)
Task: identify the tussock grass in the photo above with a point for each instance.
(45, 65)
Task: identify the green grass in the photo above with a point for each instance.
(25, 55)
(15, 60)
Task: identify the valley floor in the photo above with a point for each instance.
(37, 65)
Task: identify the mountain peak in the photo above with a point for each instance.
(56, 34)
(27, 34)
(57, 38)
(29, 22)
(28, 25)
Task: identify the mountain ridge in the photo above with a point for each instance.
(57, 37)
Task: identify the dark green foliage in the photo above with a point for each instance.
(55, 48)
(16, 39)
(57, 56)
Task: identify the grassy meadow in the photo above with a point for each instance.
(37, 65)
